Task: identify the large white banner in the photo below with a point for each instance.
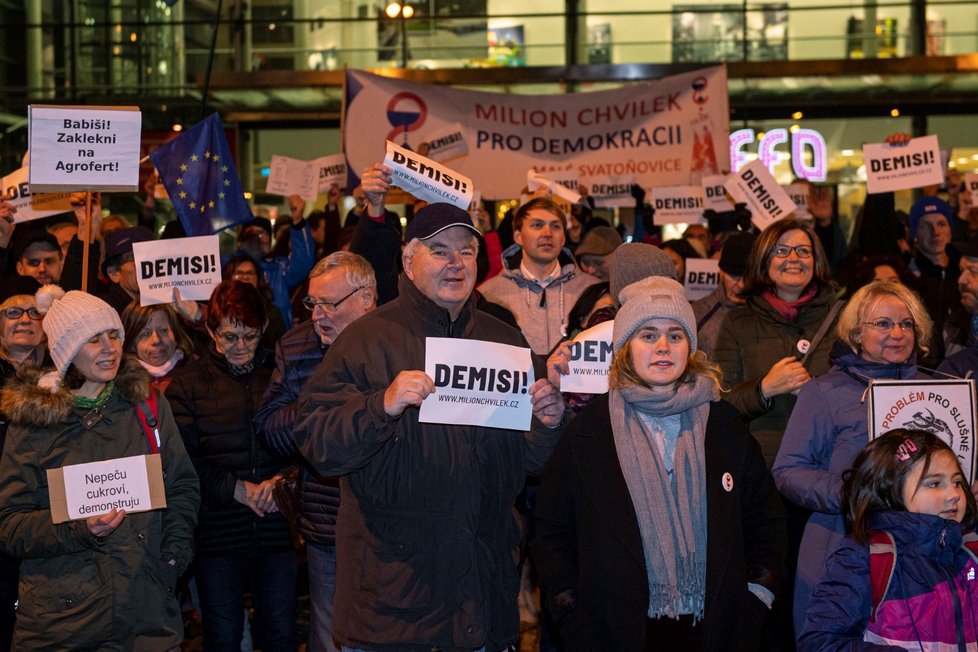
(945, 408)
(478, 383)
(669, 132)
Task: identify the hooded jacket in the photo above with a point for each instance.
(932, 592)
(79, 591)
(753, 338)
(541, 312)
(825, 433)
(426, 537)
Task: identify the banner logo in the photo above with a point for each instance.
(406, 112)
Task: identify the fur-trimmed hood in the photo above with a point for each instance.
(24, 403)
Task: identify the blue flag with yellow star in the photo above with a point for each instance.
(197, 171)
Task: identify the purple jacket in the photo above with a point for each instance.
(931, 602)
(826, 431)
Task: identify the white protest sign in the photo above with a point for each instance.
(289, 176)
(590, 361)
(945, 408)
(702, 277)
(133, 484)
(478, 384)
(84, 148)
(754, 186)
(678, 204)
(716, 195)
(617, 192)
(426, 179)
(32, 206)
(446, 143)
(971, 185)
(560, 188)
(899, 167)
(331, 169)
(800, 193)
(191, 264)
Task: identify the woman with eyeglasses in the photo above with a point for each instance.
(774, 344)
(21, 347)
(781, 338)
(243, 542)
(881, 330)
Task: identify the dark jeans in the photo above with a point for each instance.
(321, 562)
(222, 583)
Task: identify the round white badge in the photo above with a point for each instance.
(727, 481)
(803, 346)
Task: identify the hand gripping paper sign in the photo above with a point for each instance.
(945, 408)
(32, 206)
(590, 361)
(193, 265)
(427, 179)
(902, 166)
(133, 484)
(478, 384)
(754, 186)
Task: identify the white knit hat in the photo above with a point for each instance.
(70, 320)
(655, 297)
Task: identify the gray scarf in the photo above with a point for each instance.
(671, 513)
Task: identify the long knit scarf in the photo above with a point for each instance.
(789, 309)
(671, 512)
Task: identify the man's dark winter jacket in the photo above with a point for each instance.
(426, 537)
(297, 355)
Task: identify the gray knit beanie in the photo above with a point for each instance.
(653, 298)
(634, 261)
(71, 319)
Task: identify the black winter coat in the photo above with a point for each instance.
(587, 547)
(214, 411)
(297, 355)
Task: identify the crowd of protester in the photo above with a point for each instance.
(720, 496)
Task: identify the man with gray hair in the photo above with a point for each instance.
(426, 532)
(342, 289)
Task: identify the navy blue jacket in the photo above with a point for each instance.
(297, 355)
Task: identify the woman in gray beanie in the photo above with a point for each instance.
(108, 581)
(657, 525)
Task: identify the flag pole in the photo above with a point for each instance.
(86, 240)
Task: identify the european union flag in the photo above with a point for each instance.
(197, 171)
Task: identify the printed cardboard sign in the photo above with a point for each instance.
(943, 407)
(716, 194)
(754, 186)
(133, 484)
(900, 167)
(678, 204)
(590, 361)
(427, 179)
(800, 193)
(32, 206)
(447, 143)
(193, 265)
(557, 187)
(290, 176)
(702, 277)
(332, 170)
(84, 148)
(478, 383)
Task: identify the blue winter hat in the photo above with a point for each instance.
(928, 206)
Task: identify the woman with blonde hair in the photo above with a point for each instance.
(657, 525)
(881, 331)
